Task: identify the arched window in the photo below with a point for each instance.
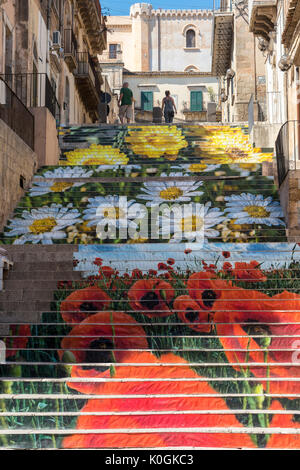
(191, 68)
(190, 38)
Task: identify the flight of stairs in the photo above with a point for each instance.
(143, 339)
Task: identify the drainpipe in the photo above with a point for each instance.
(49, 4)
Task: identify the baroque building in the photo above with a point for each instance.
(49, 55)
(157, 50)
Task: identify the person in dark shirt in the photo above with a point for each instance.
(125, 103)
(168, 107)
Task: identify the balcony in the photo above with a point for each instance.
(111, 57)
(70, 49)
(90, 12)
(34, 90)
(262, 17)
(88, 83)
(222, 37)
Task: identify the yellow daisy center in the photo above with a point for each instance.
(170, 194)
(257, 211)
(197, 167)
(42, 225)
(191, 224)
(60, 187)
(113, 213)
(236, 153)
(95, 161)
(247, 166)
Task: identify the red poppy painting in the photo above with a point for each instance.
(152, 411)
(190, 312)
(259, 332)
(84, 302)
(151, 297)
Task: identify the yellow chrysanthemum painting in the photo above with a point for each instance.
(229, 145)
(156, 141)
(96, 155)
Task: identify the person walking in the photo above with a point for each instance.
(125, 103)
(168, 107)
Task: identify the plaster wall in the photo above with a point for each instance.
(179, 86)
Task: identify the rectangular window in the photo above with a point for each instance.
(147, 100)
(113, 50)
(196, 101)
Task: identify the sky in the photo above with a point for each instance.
(122, 7)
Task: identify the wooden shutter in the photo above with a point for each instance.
(147, 100)
(196, 101)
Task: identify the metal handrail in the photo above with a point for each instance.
(287, 148)
(34, 90)
(16, 115)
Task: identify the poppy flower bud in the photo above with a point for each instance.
(68, 357)
(258, 390)
(266, 341)
(163, 295)
(6, 387)
(16, 371)
(112, 371)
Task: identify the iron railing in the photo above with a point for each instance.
(287, 148)
(34, 90)
(15, 114)
(70, 42)
(111, 56)
(86, 67)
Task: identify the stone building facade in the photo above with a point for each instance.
(159, 50)
(49, 53)
(238, 63)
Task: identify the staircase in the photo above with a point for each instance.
(154, 299)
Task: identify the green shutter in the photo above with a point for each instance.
(147, 100)
(196, 101)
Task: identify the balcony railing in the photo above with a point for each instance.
(111, 57)
(70, 42)
(287, 149)
(86, 68)
(70, 49)
(34, 90)
(15, 114)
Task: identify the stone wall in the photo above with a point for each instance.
(17, 162)
(45, 137)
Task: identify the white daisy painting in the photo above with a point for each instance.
(248, 208)
(158, 192)
(49, 183)
(68, 172)
(43, 225)
(192, 168)
(191, 222)
(113, 211)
